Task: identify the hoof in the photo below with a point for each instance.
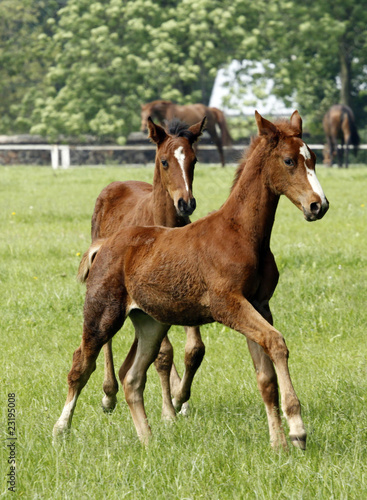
(168, 418)
(181, 409)
(298, 441)
(176, 405)
(59, 431)
(108, 404)
(185, 409)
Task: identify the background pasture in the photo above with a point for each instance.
(222, 449)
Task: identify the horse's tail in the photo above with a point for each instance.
(354, 136)
(87, 260)
(222, 122)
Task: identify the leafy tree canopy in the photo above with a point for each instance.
(79, 67)
(316, 52)
(113, 55)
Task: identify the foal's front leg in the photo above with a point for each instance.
(110, 385)
(170, 380)
(237, 313)
(267, 381)
(194, 354)
(148, 337)
(164, 364)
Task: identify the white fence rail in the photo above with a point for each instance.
(60, 154)
(56, 151)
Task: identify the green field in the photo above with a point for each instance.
(221, 451)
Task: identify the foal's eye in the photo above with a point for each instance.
(289, 162)
(164, 163)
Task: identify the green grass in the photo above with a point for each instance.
(221, 451)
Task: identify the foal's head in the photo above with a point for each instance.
(290, 165)
(175, 159)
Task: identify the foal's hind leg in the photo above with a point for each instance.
(194, 353)
(102, 319)
(110, 385)
(84, 364)
(149, 335)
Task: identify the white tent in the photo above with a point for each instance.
(243, 99)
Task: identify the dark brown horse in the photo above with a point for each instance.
(219, 268)
(339, 124)
(168, 202)
(190, 114)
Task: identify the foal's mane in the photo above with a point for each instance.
(179, 128)
(285, 130)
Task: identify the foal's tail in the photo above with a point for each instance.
(87, 260)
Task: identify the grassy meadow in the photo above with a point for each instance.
(221, 450)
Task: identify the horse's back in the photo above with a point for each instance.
(190, 113)
(118, 205)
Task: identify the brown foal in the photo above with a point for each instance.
(168, 202)
(219, 268)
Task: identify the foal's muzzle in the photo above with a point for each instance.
(316, 210)
(186, 208)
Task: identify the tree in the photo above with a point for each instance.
(87, 67)
(22, 58)
(113, 55)
(316, 52)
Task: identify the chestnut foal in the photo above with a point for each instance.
(168, 202)
(219, 268)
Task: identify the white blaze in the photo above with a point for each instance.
(311, 174)
(181, 160)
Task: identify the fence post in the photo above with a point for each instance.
(65, 156)
(55, 156)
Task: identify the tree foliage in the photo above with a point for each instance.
(22, 58)
(113, 55)
(316, 52)
(84, 67)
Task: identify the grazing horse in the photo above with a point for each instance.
(339, 123)
(168, 202)
(219, 268)
(190, 114)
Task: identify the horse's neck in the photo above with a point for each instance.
(252, 205)
(163, 209)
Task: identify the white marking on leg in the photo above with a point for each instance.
(64, 421)
(311, 174)
(181, 160)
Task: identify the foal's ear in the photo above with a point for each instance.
(296, 122)
(156, 132)
(197, 129)
(265, 127)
